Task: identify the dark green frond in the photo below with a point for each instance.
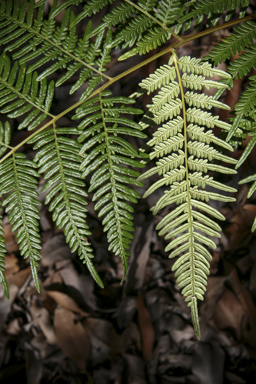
(58, 160)
(18, 183)
(3, 252)
(168, 10)
(213, 9)
(244, 107)
(56, 46)
(91, 7)
(240, 67)
(22, 95)
(241, 38)
(106, 156)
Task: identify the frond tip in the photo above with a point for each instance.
(183, 146)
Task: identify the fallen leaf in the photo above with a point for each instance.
(65, 301)
(146, 328)
(42, 317)
(71, 337)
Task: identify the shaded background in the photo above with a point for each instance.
(140, 332)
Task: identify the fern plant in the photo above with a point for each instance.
(34, 48)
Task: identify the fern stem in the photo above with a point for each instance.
(36, 33)
(154, 19)
(194, 311)
(130, 70)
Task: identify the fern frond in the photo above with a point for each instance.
(168, 10)
(46, 43)
(59, 161)
(92, 7)
(243, 108)
(118, 15)
(198, 82)
(3, 252)
(198, 133)
(197, 67)
(18, 183)
(241, 38)
(5, 136)
(213, 10)
(170, 129)
(183, 169)
(155, 38)
(106, 156)
(144, 30)
(21, 94)
(240, 67)
(162, 76)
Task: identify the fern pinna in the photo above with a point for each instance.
(183, 148)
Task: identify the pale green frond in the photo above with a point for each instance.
(170, 129)
(197, 82)
(172, 144)
(200, 117)
(200, 165)
(188, 228)
(198, 67)
(196, 178)
(166, 94)
(196, 132)
(168, 111)
(162, 76)
(203, 101)
(205, 151)
(169, 178)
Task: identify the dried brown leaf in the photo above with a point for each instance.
(71, 337)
